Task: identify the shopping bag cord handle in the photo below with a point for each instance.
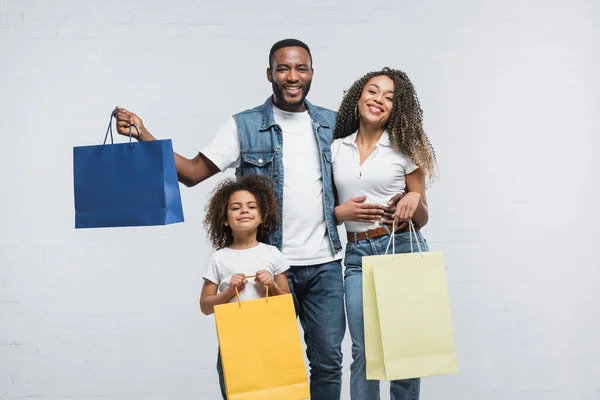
(109, 130)
(411, 230)
(237, 294)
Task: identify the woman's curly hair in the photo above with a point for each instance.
(405, 126)
(216, 209)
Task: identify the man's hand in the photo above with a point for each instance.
(388, 212)
(124, 121)
(355, 209)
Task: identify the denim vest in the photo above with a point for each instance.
(261, 145)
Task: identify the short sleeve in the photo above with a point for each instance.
(409, 166)
(212, 271)
(224, 149)
(280, 265)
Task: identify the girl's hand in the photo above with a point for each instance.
(355, 209)
(406, 207)
(238, 280)
(264, 277)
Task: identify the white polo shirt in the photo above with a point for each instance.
(381, 176)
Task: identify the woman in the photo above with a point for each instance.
(380, 150)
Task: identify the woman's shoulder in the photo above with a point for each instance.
(338, 143)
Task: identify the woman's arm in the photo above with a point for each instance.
(413, 206)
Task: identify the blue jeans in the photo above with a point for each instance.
(221, 376)
(360, 387)
(318, 292)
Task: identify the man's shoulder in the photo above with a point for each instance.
(325, 110)
(327, 114)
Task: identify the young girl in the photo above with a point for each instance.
(238, 216)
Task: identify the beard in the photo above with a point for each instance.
(278, 91)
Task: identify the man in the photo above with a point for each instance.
(288, 140)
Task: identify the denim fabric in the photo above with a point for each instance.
(360, 387)
(318, 292)
(261, 153)
(221, 376)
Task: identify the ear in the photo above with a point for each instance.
(269, 75)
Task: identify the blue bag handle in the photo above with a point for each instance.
(109, 129)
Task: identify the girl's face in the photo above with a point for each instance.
(375, 103)
(242, 212)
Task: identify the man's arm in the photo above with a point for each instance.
(190, 172)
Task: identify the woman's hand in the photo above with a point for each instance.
(406, 207)
(355, 209)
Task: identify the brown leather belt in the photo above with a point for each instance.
(373, 233)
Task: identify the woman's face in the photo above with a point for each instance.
(375, 103)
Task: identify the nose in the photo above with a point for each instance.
(292, 76)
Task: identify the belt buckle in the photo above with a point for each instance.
(366, 234)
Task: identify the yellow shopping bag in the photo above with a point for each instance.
(408, 326)
(261, 350)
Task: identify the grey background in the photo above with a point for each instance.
(510, 99)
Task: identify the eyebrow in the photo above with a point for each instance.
(377, 86)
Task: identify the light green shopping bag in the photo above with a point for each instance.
(408, 326)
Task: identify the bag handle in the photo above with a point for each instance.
(109, 129)
(411, 229)
(237, 294)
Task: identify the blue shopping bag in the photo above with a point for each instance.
(127, 184)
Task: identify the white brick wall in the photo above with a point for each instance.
(509, 91)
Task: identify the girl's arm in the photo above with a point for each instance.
(414, 203)
(278, 285)
(209, 297)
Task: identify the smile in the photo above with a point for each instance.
(375, 109)
(292, 89)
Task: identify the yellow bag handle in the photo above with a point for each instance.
(237, 294)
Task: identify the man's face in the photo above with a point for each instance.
(290, 74)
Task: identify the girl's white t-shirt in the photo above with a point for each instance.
(224, 263)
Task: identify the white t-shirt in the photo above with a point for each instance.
(381, 176)
(224, 263)
(305, 240)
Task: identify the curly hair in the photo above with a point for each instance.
(216, 210)
(405, 127)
